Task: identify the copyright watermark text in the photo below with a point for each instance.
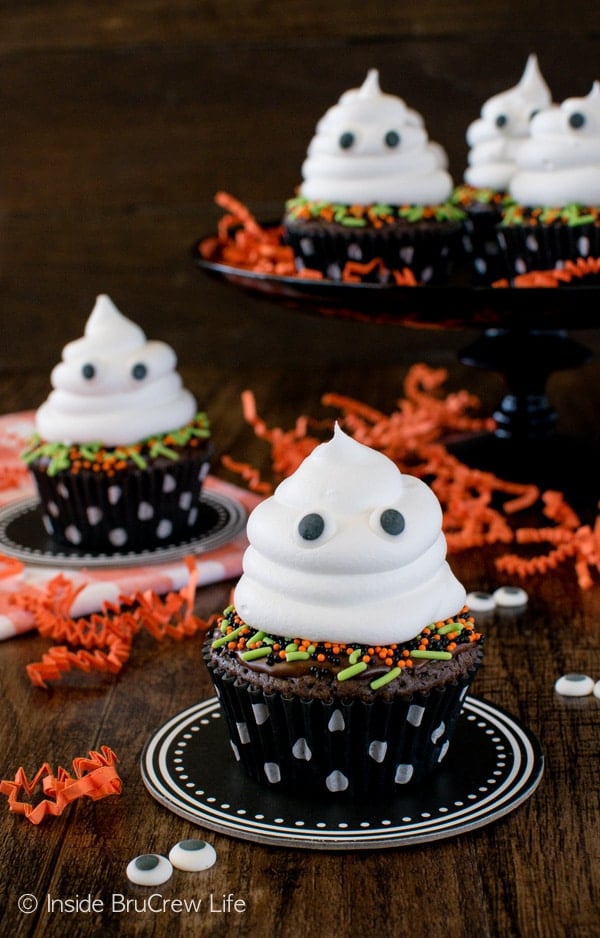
(120, 904)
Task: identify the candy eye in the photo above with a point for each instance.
(88, 371)
(139, 371)
(501, 120)
(311, 527)
(192, 855)
(347, 140)
(533, 113)
(576, 120)
(392, 139)
(149, 869)
(392, 521)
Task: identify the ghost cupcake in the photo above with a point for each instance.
(555, 215)
(343, 662)
(120, 451)
(375, 194)
(494, 140)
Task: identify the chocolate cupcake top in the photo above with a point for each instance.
(559, 165)
(371, 148)
(113, 386)
(502, 127)
(348, 549)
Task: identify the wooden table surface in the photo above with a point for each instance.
(119, 123)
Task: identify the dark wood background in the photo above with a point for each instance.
(121, 121)
(118, 123)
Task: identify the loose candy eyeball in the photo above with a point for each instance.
(480, 602)
(510, 596)
(192, 855)
(574, 685)
(597, 689)
(149, 869)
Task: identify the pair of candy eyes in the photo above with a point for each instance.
(576, 119)
(312, 526)
(138, 371)
(391, 139)
(152, 869)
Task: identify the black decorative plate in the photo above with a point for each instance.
(456, 304)
(494, 764)
(23, 536)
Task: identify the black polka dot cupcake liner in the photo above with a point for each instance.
(544, 247)
(132, 510)
(428, 250)
(481, 246)
(350, 749)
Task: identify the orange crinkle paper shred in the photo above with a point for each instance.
(93, 776)
(244, 243)
(103, 641)
(478, 507)
(241, 242)
(571, 271)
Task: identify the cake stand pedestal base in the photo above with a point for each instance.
(526, 358)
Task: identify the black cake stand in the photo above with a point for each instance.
(523, 335)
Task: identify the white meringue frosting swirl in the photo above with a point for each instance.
(113, 386)
(560, 163)
(347, 549)
(371, 148)
(504, 124)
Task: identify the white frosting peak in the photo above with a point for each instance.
(532, 85)
(347, 549)
(105, 327)
(370, 87)
(560, 163)
(370, 147)
(113, 386)
(504, 124)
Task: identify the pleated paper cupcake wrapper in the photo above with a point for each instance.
(544, 247)
(481, 246)
(133, 510)
(428, 251)
(350, 749)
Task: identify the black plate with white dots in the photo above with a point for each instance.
(494, 764)
(24, 536)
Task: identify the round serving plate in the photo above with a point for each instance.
(456, 304)
(494, 764)
(24, 536)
